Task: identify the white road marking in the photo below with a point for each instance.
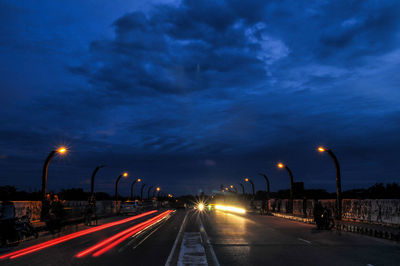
(192, 251)
(150, 234)
(301, 239)
(171, 254)
(214, 257)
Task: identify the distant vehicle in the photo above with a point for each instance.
(129, 208)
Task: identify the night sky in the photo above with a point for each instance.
(189, 95)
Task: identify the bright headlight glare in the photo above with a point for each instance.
(200, 207)
(230, 209)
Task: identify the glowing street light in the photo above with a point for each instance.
(158, 189)
(133, 187)
(124, 175)
(281, 165)
(338, 181)
(233, 187)
(61, 150)
(252, 184)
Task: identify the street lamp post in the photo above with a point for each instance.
(141, 191)
(234, 188)
(92, 180)
(252, 185)
(281, 165)
(338, 181)
(158, 189)
(133, 187)
(148, 192)
(268, 189)
(124, 175)
(61, 150)
(243, 191)
(268, 184)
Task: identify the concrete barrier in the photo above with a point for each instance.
(372, 211)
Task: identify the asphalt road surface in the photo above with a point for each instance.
(207, 238)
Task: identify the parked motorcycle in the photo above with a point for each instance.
(25, 228)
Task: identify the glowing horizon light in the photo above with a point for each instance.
(230, 209)
(321, 149)
(281, 165)
(62, 150)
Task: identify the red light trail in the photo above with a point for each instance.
(114, 240)
(62, 239)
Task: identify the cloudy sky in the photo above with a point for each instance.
(189, 94)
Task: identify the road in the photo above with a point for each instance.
(210, 238)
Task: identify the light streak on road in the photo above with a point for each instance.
(230, 208)
(114, 240)
(65, 238)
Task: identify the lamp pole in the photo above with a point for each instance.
(252, 185)
(281, 165)
(268, 184)
(148, 192)
(338, 181)
(60, 150)
(116, 185)
(268, 189)
(92, 180)
(243, 191)
(133, 187)
(141, 191)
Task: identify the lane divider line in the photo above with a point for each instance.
(301, 239)
(179, 235)
(209, 245)
(49, 243)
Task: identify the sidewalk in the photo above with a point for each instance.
(375, 230)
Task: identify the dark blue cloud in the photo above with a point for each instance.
(201, 90)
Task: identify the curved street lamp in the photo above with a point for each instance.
(92, 180)
(338, 181)
(133, 187)
(141, 191)
(252, 184)
(243, 191)
(124, 175)
(281, 165)
(158, 189)
(148, 192)
(61, 150)
(268, 189)
(267, 182)
(234, 188)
